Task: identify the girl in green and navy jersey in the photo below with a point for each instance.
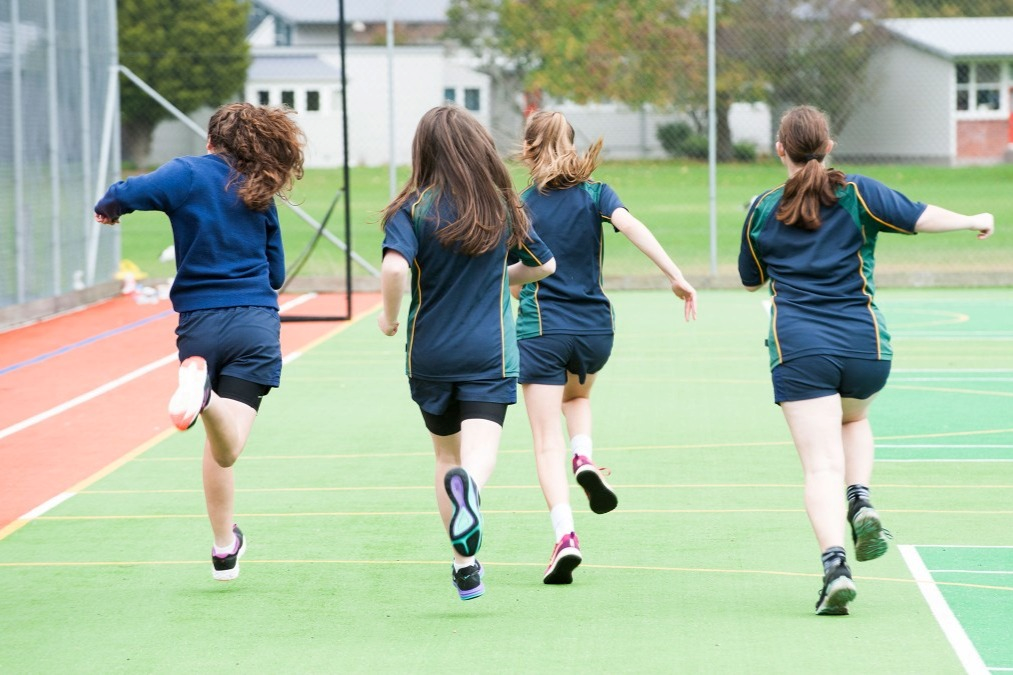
(565, 323)
(454, 225)
(813, 240)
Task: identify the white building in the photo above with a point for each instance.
(940, 92)
(296, 62)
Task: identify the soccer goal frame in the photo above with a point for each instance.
(342, 195)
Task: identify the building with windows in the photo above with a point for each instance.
(297, 62)
(940, 92)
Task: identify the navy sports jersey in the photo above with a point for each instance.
(572, 300)
(227, 255)
(821, 281)
(460, 326)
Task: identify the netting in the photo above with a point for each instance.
(55, 62)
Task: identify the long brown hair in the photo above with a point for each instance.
(454, 156)
(805, 134)
(550, 155)
(263, 145)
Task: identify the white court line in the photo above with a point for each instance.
(927, 461)
(118, 382)
(952, 370)
(951, 378)
(952, 629)
(939, 445)
(959, 546)
(955, 338)
(47, 505)
(1000, 572)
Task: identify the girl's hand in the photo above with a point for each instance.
(105, 220)
(984, 225)
(685, 291)
(388, 328)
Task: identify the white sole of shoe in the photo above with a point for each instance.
(188, 400)
(229, 575)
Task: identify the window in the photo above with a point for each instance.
(312, 100)
(288, 98)
(450, 95)
(471, 100)
(978, 86)
(264, 97)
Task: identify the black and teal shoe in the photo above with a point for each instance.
(466, 522)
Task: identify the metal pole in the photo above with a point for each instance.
(344, 150)
(176, 112)
(92, 230)
(712, 150)
(17, 123)
(53, 96)
(392, 163)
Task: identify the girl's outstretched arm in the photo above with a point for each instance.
(936, 219)
(520, 274)
(393, 276)
(643, 239)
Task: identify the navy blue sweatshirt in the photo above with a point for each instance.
(227, 255)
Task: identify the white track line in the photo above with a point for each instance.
(118, 382)
(84, 398)
(952, 629)
(48, 505)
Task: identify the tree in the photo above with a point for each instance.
(637, 52)
(794, 52)
(952, 8)
(193, 52)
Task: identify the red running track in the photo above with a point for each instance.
(83, 390)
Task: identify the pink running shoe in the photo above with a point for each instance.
(565, 558)
(592, 479)
(192, 394)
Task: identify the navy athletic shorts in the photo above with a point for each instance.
(546, 359)
(240, 342)
(445, 404)
(435, 396)
(820, 375)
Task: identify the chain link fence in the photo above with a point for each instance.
(913, 88)
(56, 119)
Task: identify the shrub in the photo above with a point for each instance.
(673, 137)
(744, 152)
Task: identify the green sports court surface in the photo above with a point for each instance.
(707, 566)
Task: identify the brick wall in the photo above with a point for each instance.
(982, 139)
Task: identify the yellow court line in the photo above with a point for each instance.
(641, 568)
(951, 390)
(18, 523)
(625, 486)
(345, 514)
(350, 514)
(945, 434)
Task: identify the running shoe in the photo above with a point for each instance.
(592, 479)
(867, 531)
(468, 580)
(226, 567)
(192, 394)
(466, 522)
(838, 590)
(565, 558)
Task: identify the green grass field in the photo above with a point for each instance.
(708, 565)
(672, 199)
